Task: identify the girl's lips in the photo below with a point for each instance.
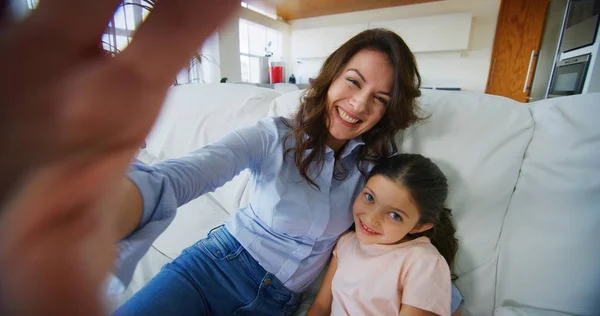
(366, 230)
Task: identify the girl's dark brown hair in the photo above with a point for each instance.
(428, 188)
(309, 128)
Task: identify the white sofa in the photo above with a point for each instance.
(524, 182)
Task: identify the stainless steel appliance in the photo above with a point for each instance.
(569, 76)
(581, 24)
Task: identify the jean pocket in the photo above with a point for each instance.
(219, 248)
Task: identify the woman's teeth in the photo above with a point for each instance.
(345, 116)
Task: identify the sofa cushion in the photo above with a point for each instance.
(526, 311)
(478, 141)
(192, 223)
(195, 114)
(550, 249)
(286, 104)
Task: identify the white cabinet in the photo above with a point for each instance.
(446, 32)
(320, 42)
(437, 33)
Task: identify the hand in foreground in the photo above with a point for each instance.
(71, 119)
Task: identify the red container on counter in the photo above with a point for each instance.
(277, 72)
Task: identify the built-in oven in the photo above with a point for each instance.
(569, 76)
(581, 25)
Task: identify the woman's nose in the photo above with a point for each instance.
(359, 102)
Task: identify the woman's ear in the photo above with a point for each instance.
(421, 228)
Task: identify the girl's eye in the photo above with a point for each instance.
(394, 216)
(369, 197)
(354, 82)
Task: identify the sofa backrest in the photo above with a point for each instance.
(535, 246)
(195, 114)
(478, 141)
(550, 243)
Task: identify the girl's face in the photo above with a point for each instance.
(384, 212)
(358, 96)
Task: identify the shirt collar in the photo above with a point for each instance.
(350, 146)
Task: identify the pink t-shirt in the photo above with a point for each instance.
(378, 279)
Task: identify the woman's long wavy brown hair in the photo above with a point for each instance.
(309, 127)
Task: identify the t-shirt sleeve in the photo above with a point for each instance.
(426, 283)
(341, 241)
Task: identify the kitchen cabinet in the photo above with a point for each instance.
(516, 48)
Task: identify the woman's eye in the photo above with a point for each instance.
(395, 216)
(381, 100)
(369, 197)
(354, 82)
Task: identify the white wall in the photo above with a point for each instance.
(211, 71)
(466, 69)
(229, 41)
(229, 50)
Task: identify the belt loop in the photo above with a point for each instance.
(215, 228)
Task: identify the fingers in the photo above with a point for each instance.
(51, 40)
(80, 23)
(172, 33)
(3, 13)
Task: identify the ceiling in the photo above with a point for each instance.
(298, 9)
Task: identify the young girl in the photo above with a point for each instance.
(398, 259)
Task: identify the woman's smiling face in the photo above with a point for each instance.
(357, 98)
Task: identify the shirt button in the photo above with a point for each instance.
(267, 282)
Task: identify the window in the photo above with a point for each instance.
(257, 42)
(32, 4)
(121, 28)
(127, 18)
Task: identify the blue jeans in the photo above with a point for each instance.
(216, 276)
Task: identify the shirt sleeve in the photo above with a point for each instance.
(426, 284)
(457, 299)
(169, 184)
(341, 241)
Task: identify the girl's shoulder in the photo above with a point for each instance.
(345, 241)
(347, 236)
(420, 248)
(421, 252)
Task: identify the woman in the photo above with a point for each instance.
(306, 173)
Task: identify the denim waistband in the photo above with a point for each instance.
(271, 284)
